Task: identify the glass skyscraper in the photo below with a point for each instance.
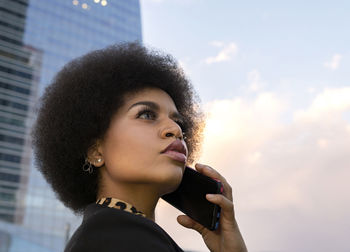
(37, 37)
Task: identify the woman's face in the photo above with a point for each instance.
(141, 129)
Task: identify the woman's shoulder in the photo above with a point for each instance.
(109, 229)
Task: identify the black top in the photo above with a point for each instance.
(108, 229)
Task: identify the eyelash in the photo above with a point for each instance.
(154, 115)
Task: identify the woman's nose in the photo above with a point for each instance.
(173, 130)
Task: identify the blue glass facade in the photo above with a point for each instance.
(37, 37)
(64, 30)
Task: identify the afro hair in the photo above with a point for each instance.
(76, 109)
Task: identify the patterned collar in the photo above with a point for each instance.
(119, 204)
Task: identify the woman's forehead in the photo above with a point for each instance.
(150, 97)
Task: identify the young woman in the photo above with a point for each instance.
(102, 139)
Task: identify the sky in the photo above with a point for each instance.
(274, 82)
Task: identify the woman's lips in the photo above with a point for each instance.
(176, 155)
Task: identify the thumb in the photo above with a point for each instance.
(187, 222)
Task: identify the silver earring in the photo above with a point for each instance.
(99, 160)
(87, 167)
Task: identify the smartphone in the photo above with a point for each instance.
(190, 198)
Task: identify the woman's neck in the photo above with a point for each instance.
(143, 197)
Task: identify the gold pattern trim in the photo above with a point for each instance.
(119, 204)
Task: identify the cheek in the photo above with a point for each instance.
(130, 154)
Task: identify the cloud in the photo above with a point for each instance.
(290, 180)
(333, 64)
(311, 90)
(254, 80)
(330, 104)
(225, 54)
(322, 143)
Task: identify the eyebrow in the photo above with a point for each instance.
(156, 107)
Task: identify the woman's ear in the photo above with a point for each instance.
(94, 154)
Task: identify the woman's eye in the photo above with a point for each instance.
(146, 114)
(151, 115)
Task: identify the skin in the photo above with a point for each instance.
(133, 169)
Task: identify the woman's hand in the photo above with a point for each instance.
(227, 238)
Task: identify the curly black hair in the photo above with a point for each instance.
(76, 109)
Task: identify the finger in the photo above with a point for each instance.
(227, 215)
(187, 222)
(212, 173)
(225, 204)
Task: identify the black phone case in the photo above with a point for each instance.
(190, 198)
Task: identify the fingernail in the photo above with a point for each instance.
(210, 196)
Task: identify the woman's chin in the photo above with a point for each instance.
(171, 182)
